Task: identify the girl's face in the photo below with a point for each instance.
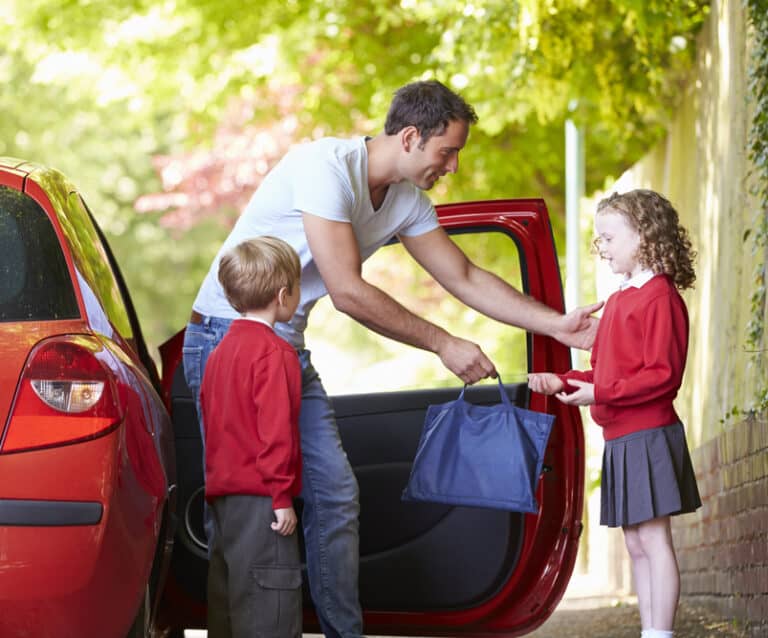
(618, 242)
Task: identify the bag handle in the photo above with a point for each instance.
(502, 391)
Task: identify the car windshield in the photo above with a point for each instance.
(34, 280)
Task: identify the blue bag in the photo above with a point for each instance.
(480, 455)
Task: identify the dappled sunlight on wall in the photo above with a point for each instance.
(702, 168)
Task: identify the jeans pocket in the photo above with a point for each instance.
(192, 359)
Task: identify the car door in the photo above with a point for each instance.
(427, 569)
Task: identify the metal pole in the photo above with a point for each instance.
(574, 191)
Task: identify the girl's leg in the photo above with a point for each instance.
(656, 540)
(641, 572)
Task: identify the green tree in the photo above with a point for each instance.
(176, 109)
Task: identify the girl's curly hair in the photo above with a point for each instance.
(664, 244)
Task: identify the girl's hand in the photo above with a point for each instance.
(584, 394)
(545, 383)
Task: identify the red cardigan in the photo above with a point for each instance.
(250, 398)
(638, 358)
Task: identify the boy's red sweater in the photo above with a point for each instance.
(638, 358)
(250, 398)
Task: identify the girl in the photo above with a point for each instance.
(637, 367)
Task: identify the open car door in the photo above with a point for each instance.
(426, 569)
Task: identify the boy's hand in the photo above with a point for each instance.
(545, 383)
(584, 394)
(285, 524)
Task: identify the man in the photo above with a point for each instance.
(336, 201)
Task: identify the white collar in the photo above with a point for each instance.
(638, 281)
(257, 320)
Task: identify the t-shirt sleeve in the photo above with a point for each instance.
(321, 187)
(422, 218)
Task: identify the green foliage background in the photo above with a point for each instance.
(103, 88)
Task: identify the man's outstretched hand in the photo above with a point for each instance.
(578, 328)
(466, 359)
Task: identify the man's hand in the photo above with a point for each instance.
(578, 328)
(545, 383)
(285, 523)
(465, 359)
(584, 394)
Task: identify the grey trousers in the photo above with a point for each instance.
(254, 573)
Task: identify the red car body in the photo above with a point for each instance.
(427, 569)
(87, 470)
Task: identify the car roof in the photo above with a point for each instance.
(34, 171)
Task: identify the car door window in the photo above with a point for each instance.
(34, 279)
(352, 359)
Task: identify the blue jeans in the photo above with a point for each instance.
(199, 341)
(331, 509)
(329, 488)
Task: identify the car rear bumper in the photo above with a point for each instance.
(78, 530)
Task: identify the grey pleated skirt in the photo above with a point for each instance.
(647, 474)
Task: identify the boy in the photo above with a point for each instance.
(250, 399)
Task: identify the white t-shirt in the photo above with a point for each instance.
(327, 178)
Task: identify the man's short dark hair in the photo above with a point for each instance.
(429, 106)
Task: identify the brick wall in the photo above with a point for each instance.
(703, 167)
(723, 548)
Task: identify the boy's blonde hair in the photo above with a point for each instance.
(254, 271)
(664, 243)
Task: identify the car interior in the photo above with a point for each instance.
(414, 556)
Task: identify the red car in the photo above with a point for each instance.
(87, 470)
(427, 569)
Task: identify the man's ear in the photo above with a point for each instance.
(281, 296)
(409, 138)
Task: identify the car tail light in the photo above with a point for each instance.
(67, 393)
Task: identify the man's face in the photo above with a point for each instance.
(425, 163)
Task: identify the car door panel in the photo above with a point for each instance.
(403, 545)
(429, 569)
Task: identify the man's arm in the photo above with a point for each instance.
(337, 256)
(492, 296)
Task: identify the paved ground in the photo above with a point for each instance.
(604, 618)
